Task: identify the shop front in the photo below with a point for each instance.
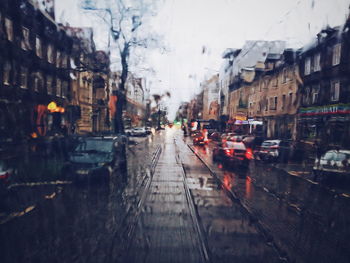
(329, 124)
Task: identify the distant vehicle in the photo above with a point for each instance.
(333, 162)
(93, 158)
(215, 136)
(253, 142)
(235, 138)
(226, 136)
(6, 173)
(140, 131)
(233, 153)
(274, 150)
(200, 139)
(209, 129)
(128, 131)
(148, 130)
(195, 133)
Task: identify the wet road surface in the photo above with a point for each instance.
(169, 207)
(306, 221)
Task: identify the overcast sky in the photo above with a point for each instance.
(190, 27)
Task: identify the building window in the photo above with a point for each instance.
(58, 59)
(50, 53)
(317, 62)
(58, 87)
(284, 75)
(336, 54)
(266, 105)
(24, 78)
(290, 98)
(64, 89)
(335, 90)
(64, 60)
(25, 43)
(273, 103)
(275, 81)
(38, 47)
(49, 85)
(315, 92)
(38, 82)
(283, 102)
(9, 29)
(307, 70)
(6, 73)
(306, 97)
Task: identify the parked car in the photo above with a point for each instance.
(233, 153)
(140, 131)
(274, 150)
(333, 162)
(93, 158)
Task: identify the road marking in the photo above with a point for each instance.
(52, 196)
(40, 183)
(17, 214)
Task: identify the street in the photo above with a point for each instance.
(176, 207)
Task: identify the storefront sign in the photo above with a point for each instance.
(325, 110)
(240, 118)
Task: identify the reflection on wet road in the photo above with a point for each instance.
(176, 210)
(229, 230)
(70, 223)
(305, 220)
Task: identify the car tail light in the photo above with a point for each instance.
(5, 176)
(229, 152)
(249, 154)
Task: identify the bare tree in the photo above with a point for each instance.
(125, 19)
(157, 99)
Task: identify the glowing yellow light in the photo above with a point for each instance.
(52, 106)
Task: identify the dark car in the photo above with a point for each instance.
(233, 153)
(274, 150)
(93, 158)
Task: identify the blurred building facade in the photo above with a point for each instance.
(34, 58)
(137, 99)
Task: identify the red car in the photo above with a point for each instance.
(200, 139)
(233, 153)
